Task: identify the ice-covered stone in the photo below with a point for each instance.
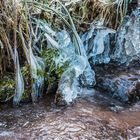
(78, 70)
(128, 40)
(69, 85)
(97, 44)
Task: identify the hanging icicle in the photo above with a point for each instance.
(19, 89)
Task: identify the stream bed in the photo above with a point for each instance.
(110, 111)
(93, 116)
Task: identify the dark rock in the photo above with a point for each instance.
(120, 83)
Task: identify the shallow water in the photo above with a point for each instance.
(93, 116)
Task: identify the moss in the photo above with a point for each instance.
(51, 69)
(7, 89)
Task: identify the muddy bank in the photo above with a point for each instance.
(93, 116)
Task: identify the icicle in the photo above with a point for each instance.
(37, 65)
(19, 82)
(1, 45)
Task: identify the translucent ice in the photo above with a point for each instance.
(19, 89)
(128, 39)
(37, 65)
(97, 44)
(69, 85)
(78, 71)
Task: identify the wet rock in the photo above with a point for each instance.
(120, 83)
(134, 133)
(87, 79)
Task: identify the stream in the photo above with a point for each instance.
(110, 111)
(93, 116)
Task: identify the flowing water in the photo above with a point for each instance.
(93, 116)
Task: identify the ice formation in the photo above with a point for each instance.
(128, 40)
(19, 89)
(97, 44)
(78, 71)
(37, 65)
